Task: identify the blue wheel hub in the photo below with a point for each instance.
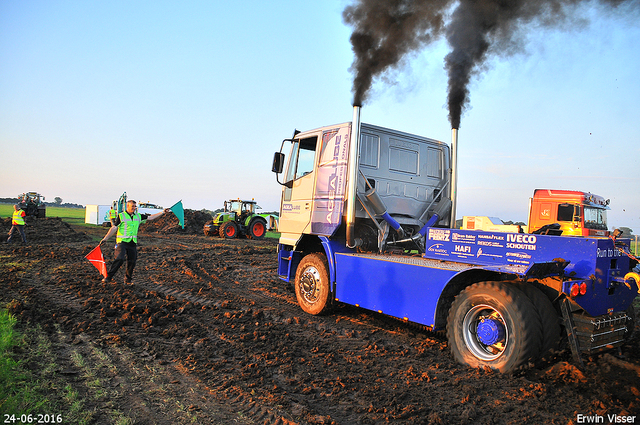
(490, 331)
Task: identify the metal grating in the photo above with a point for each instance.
(415, 261)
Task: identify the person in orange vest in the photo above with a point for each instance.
(17, 223)
(126, 226)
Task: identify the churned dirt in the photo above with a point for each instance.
(208, 334)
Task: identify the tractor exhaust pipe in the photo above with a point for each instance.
(352, 179)
(454, 176)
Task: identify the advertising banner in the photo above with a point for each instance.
(331, 182)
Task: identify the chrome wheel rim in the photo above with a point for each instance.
(310, 284)
(481, 317)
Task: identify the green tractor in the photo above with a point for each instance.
(33, 204)
(238, 219)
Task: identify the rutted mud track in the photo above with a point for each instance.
(208, 326)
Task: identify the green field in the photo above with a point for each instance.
(70, 215)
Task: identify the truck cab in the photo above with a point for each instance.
(403, 174)
(577, 213)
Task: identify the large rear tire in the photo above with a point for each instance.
(312, 284)
(257, 229)
(493, 324)
(549, 318)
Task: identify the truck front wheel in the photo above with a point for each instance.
(229, 230)
(494, 324)
(312, 284)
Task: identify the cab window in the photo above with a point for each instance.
(568, 212)
(306, 157)
(301, 161)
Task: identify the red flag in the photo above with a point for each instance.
(96, 258)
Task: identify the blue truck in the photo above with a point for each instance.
(368, 219)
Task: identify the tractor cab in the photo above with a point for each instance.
(242, 209)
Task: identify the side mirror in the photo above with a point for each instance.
(278, 162)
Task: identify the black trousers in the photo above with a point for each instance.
(20, 229)
(128, 250)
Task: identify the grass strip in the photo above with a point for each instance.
(30, 385)
(18, 391)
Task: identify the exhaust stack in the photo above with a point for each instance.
(454, 176)
(352, 179)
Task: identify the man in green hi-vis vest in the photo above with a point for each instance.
(126, 225)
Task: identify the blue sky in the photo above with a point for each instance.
(189, 100)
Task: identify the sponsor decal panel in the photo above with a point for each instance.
(609, 253)
(331, 182)
(463, 238)
(438, 249)
(290, 208)
(515, 248)
(521, 241)
(436, 234)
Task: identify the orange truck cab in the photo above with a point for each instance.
(577, 213)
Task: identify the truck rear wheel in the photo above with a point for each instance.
(229, 230)
(494, 324)
(549, 318)
(312, 284)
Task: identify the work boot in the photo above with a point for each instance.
(106, 280)
(128, 281)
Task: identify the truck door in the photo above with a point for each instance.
(313, 198)
(298, 193)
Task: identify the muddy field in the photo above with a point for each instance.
(208, 334)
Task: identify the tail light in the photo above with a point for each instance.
(578, 289)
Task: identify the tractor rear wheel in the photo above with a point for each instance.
(257, 229)
(229, 230)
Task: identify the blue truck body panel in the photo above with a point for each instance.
(403, 287)
(409, 287)
(595, 260)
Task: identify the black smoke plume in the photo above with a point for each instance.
(386, 31)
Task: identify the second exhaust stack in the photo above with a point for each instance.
(352, 179)
(454, 176)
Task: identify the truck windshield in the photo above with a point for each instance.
(595, 218)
